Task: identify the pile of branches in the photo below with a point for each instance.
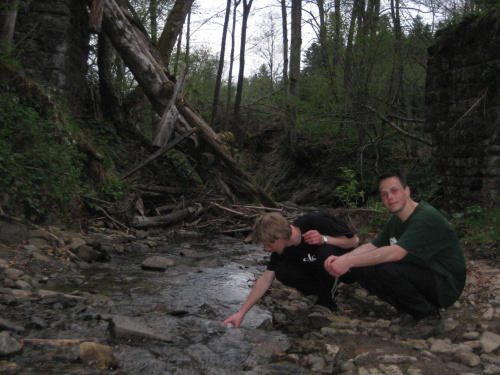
(199, 209)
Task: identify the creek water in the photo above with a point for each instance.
(204, 287)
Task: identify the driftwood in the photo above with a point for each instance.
(55, 342)
(158, 153)
(171, 113)
(167, 189)
(146, 222)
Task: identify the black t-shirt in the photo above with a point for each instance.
(327, 225)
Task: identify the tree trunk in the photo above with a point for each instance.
(293, 98)
(400, 91)
(239, 86)
(221, 64)
(231, 64)
(146, 64)
(285, 52)
(9, 21)
(173, 28)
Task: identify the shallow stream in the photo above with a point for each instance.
(187, 303)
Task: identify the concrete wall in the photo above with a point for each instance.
(463, 111)
(52, 36)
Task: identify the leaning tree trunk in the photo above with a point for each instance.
(146, 64)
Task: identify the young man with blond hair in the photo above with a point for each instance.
(298, 253)
(416, 263)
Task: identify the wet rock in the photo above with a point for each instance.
(8, 345)
(157, 263)
(36, 323)
(89, 254)
(187, 252)
(5, 324)
(93, 299)
(125, 328)
(97, 356)
(210, 263)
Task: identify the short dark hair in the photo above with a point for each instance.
(400, 176)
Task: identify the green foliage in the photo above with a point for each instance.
(377, 220)
(477, 224)
(39, 167)
(348, 192)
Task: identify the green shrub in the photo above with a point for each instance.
(477, 224)
(348, 192)
(39, 167)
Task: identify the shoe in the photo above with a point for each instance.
(404, 320)
(423, 328)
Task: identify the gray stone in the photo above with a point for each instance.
(13, 273)
(467, 358)
(5, 324)
(125, 328)
(13, 234)
(8, 345)
(489, 342)
(157, 263)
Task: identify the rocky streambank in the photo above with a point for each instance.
(152, 303)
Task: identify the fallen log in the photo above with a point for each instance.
(146, 222)
(55, 342)
(146, 64)
(158, 153)
(167, 189)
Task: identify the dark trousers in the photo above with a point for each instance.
(308, 278)
(408, 287)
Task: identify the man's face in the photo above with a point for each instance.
(278, 246)
(394, 196)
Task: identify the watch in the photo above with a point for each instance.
(325, 239)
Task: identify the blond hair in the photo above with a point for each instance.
(268, 227)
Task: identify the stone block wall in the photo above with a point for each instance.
(463, 111)
(53, 37)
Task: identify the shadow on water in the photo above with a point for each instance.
(186, 303)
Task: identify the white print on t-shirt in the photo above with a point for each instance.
(309, 258)
(393, 241)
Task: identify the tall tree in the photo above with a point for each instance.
(284, 23)
(226, 126)
(9, 10)
(247, 4)
(221, 64)
(291, 112)
(173, 27)
(398, 83)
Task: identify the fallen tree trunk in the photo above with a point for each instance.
(146, 222)
(145, 63)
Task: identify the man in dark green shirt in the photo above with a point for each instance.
(416, 263)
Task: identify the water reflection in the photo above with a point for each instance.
(196, 297)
